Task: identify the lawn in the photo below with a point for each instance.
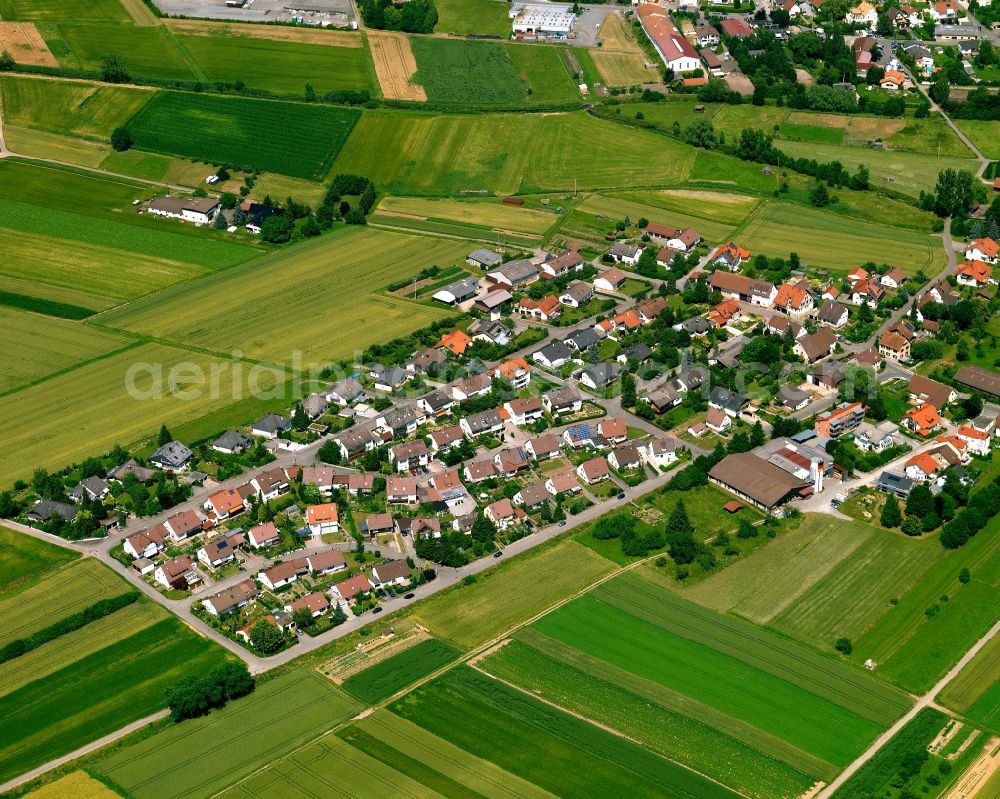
(704, 509)
(56, 596)
(280, 306)
(544, 73)
(58, 10)
(913, 648)
(146, 52)
(472, 16)
(538, 743)
(206, 755)
(279, 67)
(930, 136)
(84, 700)
(254, 135)
(388, 676)
(975, 693)
(33, 347)
(510, 593)
(457, 71)
(81, 109)
(825, 240)
(85, 411)
(442, 155)
(646, 713)
(741, 671)
(26, 558)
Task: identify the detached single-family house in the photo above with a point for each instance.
(817, 345)
(832, 313)
(659, 453)
(730, 256)
(93, 489)
(594, 470)
(524, 410)
(401, 490)
(263, 535)
(231, 599)
(552, 355)
(544, 310)
(599, 375)
(985, 250)
(270, 425)
(219, 551)
(576, 294)
(974, 274)
(560, 401)
(624, 253)
(345, 392)
(610, 280)
(922, 420)
(232, 442)
(501, 513)
(282, 574)
(323, 518)
(517, 371)
(893, 346)
(177, 573)
(391, 572)
(488, 422)
(172, 457)
(625, 457)
(330, 561)
(146, 543)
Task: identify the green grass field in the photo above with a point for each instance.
(33, 347)
(98, 693)
(456, 71)
(490, 214)
(291, 138)
(544, 72)
(59, 10)
(279, 67)
(442, 155)
(147, 52)
(975, 693)
(984, 134)
(510, 594)
(538, 743)
(284, 302)
(56, 596)
(203, 756)
(824, 240)
(472, 16)
(85, 411)
(393, 674)
(645, 712)
(26, 558)
(82, 109)
(744, 672)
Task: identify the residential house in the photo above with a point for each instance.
(791, 398)
(826, 375)
(349, 591)
(92, 488)
(345, 392)
(444, 439)
(724, 313)
(817, 345)
(560, 401)
(563, 482)
(543, 447)
(270, 483)
(613, 429)
(793, 300)
(219, 551)
(232, 442)
(625, 253)
(391, 572)
(131, 466)
(840, 420)
(730, 256)
(490, 332)
(576, 294)
(472, 386)
(456, 342)
(314, 406)
(401, 422)
(197, 210)
(231, 599)
(594, 470)
(718, 421)
(977, 441)
(486, 422)
(893, 346)
(553, 355)
(663, 397)
(517, 371)
(740, 287)
(524, 410)
(533, 495)
(328, 562)
(282, 574)
(867, 292)
(354, 443)
(731, 402)
(579, 436)
(894, 278)
(228, 502)
(975, 274)
(945, 11)
(672, 238)
(401, 490)
(610, 280)
(544, 310)
(706, 36)
(316, 603)
(478, 471)
(510, 461)
(658, 452)
(177, 573)
(172, 457)
(501, 513)
(923, 391)
(833, 314)
(561, 265)
(599, 375)
(323, 518)
(875, 437)
(263, 535)
(378, 524)
(985, 250)
(582, 340)
(146, 543)
(922, 420)
(628, 321)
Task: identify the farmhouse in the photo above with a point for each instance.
(756, 481)
(740, 287)
(492, 302)
(676, 51)
(979, 379)
(459, 291)
(198, 210)
(924, 390)
(514, 274)
(893, 346)
(483, 258)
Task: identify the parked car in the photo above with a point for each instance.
(408, 596)
(498, 553)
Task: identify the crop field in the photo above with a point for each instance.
(78, 784)
(395, 65)
(939, 619)
(466, 72)
(59, 595)
(384, 678)
(442, 155)
(511, 593)
(984, 134)
(85, 411)
(619, 59)
(55, 655)
(486, 213)
(217, 29)
(280, 67)
(713, 215)
(271, 297)
(975, 693)
(472, 16)
(538, 743)
(545, 73)
(649, 714)
(26, 558)
(291, 138)
(23, 42)
(823, 240)
(72, 108)
(204, 756)
(58, 10)
(147, 52)
(85, 700)
(33, 347)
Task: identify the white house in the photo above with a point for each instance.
(197, 210)
(323, 518)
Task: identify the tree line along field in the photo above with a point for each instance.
(320, 299)
(438, 154)
(201, 757)
(291, 138)
(71, 690)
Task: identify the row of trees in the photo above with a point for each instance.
(195, 695)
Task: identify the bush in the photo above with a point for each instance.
(194, 696)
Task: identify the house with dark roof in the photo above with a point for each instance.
(172, 457)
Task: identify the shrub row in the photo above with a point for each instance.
(982, 507)
(89, 614)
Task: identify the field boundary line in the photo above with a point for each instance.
(185, 54)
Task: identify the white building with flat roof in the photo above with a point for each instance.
(542, 19)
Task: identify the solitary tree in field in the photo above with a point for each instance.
(113, 70)
(6, 61)
(844, 646)
(121, 139)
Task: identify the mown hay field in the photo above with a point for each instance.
(984, 134)
(384, 678)
(201, 757)
(58, 10)
(280, 67)
(83, 109)
(975, 693)
(322, 299)
(395, 65)
(33, 347)
(620, 59)
(26, 559)
(61, 594)
(649, 714)
(78, 784)
(543, 71)
(472, 16)
(217, 29)
(486, 213)
(511, 593)
(557, 752)
(86, 411)
(99, 693)
(824, 240)
(291, 138)
(930, 135)
(457, 71)
(146, 52)
(444, 155)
